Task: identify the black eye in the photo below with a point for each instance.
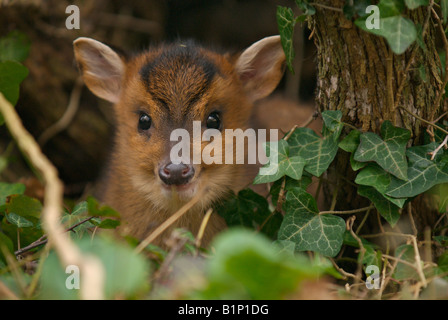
(144, 122)
(213, 121)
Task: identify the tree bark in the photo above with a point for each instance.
(359, 75)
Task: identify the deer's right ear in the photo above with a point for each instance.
(101, 67)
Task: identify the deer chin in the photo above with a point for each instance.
(181, 193)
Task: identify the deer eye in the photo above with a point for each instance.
(213, 121)
(144, 122)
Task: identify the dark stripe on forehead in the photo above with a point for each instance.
(179, 65)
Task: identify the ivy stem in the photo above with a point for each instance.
(423, 120)
(348, 211)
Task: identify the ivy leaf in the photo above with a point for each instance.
(389, 8)
(95, 210)
(304, 225)
(414, 4)
(247, 266)
(318, 152)
(24, 206)
(289, 184)
(350, 143)
(109, 224)
(19, 221)
(12, 73)
(15, 46)
(286, 23)
(403, 271)
(386, 208)
(249, 209)
(422, 173)
(7, 189)
(307, 9)
(285, 165)
(388, 153)
(332, 123)
(398, 31)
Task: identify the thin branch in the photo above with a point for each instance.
(165, 225)
(423, 120)
(434, 153)
(91, 268)
(202, 227)
(326, 7)
(41, 241)
(348, 211)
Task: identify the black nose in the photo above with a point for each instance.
(176, 174)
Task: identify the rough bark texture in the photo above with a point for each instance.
(359, 75)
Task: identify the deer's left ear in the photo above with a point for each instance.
(261, 66)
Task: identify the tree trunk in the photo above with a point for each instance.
(359, 75)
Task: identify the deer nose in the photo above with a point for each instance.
(176, 174)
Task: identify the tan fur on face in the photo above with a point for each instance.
(176, 85)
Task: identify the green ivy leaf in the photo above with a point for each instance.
(126, 272)
(403, 271)
(7, 189)
(307, 9)
(109, 224)
(286, 23)
(304, 225)
(289, 184)
(414, 4)
(24, 206)
(12, 73)
(318, 152)
(15, 46)
(398, 31)
(249, 209)
(351, 142)
(388, 153)
(422, 173)
(286, 165)
(247, 266)
(389, 8)
(19, 221)
(95, 210)
(385, 207)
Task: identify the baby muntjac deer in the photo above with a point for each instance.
(164, 89)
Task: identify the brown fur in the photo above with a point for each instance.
(174, 85)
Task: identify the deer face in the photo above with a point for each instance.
(179, 86)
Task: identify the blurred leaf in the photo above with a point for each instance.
(18, 221)
(444, 5)
(24, 206)
(15, 46)
(126, 272)
(12, 73)
(403, 271)
(7, 189)
(414, 4)
(95, 210)
(247, 266)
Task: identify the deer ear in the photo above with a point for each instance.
(261, 66)
(101, 67)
